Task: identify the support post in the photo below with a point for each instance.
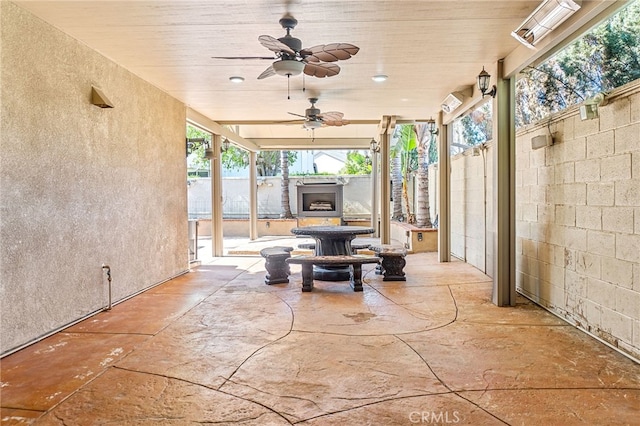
(253, 196)
(375, 199)
(217, 239)
(504, 293)
(386, 130)
(444, 193)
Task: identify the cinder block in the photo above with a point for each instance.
(576, 283)
(601, 292)
(588, 264)
(618, 325)
(618, 272)
(627, 192)
(587, 170)
(600, 194)
(626, 138)
(627, 247)
(617, 167)
(600, 145)
(618, 219)
(601, 243)
(627, 302)
(589, 217)
(566, 215)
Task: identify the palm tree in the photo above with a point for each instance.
(285, 211)
(405, 150)
(425, 139)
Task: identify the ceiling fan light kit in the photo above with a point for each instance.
(292, 59)
(379, 78)
(314, 119)
(236, 79)
(288, 67)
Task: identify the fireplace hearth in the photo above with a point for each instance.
(320, 200)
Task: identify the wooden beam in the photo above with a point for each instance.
(199, 120)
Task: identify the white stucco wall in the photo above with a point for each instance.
(81, 185)
(235, 195)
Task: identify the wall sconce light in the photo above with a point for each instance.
(374, 146)
(548, 16)
(484, 80)
(99, 99)
(432, 127)
(225, 145)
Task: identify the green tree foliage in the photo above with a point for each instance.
(473, 129)
(268, 162)
(605, 58)
(195, 150)
(356, 164)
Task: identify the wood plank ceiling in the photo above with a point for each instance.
(427, 48)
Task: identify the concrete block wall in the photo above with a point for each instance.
(578, 219)
(471, 217)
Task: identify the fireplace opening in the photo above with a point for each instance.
(320, 200)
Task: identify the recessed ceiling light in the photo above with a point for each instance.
(236, 79)
(379, 78)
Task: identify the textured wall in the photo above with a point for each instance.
(578, 219)
(81, 185)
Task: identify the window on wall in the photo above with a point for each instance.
(473, 128)
(603, 59)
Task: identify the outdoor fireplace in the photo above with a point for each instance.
(320, 200)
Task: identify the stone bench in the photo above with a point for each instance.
(355, 263)
(277, 269)
(392, 261)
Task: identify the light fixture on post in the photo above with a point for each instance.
(484, 80)
(374, 146)
(225, 145)
(432, 127)
(548, 16)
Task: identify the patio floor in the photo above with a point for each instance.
(219, 346)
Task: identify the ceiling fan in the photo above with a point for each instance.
(314, 119)
(292, 59)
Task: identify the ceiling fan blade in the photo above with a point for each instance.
(297, 115)
(267, 73)
(275, 45)
(329, 52)
(321, 70)
(336, 123)
(271, 58)
(331, 116)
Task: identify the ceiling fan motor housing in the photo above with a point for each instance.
(293, 43)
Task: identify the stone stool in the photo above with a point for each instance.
(392, 261)
(275, 264)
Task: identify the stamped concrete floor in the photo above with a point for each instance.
(218, 346)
